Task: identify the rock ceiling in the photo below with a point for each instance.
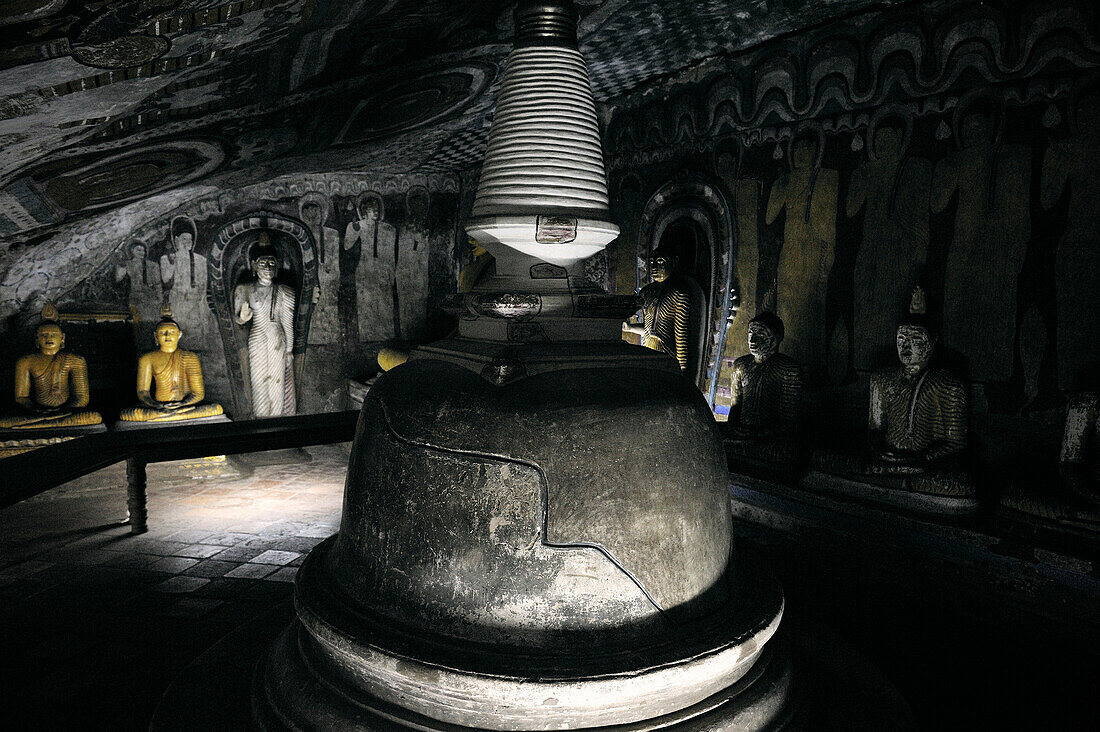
(103, 104)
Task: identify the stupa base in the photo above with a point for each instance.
(340, 666)
(287, 694)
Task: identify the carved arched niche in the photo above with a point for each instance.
(227, 266)
(693, 204)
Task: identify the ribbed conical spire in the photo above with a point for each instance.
(544, 158)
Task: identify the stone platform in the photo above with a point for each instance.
(906, 495)
(1051, 517)
(123, 426)
(210, 467)
(16, 441)
(961, 562)
(975, 633)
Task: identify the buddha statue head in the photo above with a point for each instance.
(263, 259)
(661, 266)
(49, 337)
(167, 334)
(765, 334)
(916, 336)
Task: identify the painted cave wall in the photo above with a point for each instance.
(368, 260)
(951, 145)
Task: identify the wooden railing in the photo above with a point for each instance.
(31, 473)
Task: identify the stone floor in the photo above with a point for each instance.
(97, 623)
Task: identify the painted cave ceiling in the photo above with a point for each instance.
(107, 103)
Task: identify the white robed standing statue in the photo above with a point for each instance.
(269, 308)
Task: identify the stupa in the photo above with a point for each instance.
(536, 529)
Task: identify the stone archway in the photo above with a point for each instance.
(227, 262)
(694, 199)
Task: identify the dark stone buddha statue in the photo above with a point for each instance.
(917, 426)
(766, 388)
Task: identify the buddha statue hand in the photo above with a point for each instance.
(245, 313)
(897, 462)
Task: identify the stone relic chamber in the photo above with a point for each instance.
(536, 529)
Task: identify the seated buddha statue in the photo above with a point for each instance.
(917, 422)
(666, 310)
(1079, 463)
(766, 388)
(1063, 504)
(169, 380)
(51, 386)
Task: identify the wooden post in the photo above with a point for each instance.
(135, 494)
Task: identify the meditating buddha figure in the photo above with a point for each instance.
(1079, 466)
(917, 420)
(51, 386)
(666, 308)
(766, 390)
(169, 380)
(917, 412)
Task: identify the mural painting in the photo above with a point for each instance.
(1069, 171)
(889, 193)
(348, 272)
(806, 197)
(893, 160)
(988, 183)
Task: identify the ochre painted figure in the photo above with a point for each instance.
(807, 196)
(169, 380)
(987, 184)
(50, 385)
(666, 307)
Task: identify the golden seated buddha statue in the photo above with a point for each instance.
(51, 386)
(169, 380)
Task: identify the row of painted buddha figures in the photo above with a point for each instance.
(917, 416)
(51, 386)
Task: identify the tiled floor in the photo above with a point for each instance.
(96, 623)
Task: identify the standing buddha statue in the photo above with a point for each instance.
(666, 309)
(51, 386)
(267, 307)
(169, 380)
